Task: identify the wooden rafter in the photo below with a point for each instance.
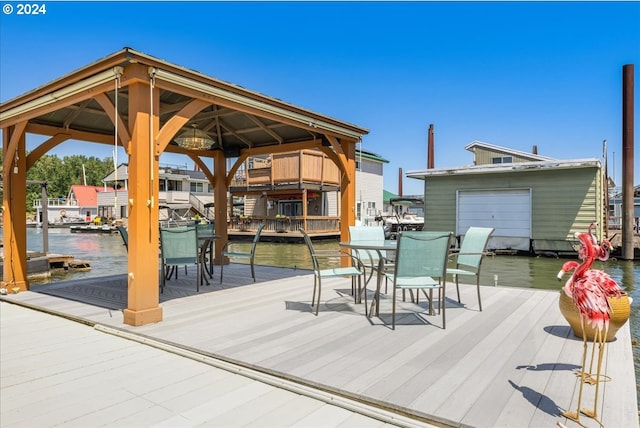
(177, 121)
(264, 127)
(43, 148)
(9, 155)
(109, 109)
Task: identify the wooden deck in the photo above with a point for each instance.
(511, 365)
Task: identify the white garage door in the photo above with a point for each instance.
(508, 211)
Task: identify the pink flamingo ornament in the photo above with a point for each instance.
(589, 289)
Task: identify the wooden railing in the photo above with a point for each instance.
(286, 224)
(310, 166)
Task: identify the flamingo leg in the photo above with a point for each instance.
(588, 376)
(601, 344)
(575, 416)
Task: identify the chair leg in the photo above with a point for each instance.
(478, 286)
(198, 276)
(457, 288)
(253, 274)
(366, 313)
(444, 306)
(221, 269)
(393, 308)
(164, 273)
(318, 301)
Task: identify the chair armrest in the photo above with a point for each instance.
(457, 253)
(332, 254)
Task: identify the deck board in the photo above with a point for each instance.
(510, 365)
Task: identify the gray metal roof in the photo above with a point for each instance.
(507, 167)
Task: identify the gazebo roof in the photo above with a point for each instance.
(237, 119)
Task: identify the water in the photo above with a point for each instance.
(108, 256)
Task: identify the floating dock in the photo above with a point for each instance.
(40, 264)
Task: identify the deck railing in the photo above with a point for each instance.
(286, 224)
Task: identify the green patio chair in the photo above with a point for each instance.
(179, 247)
(125, 236)
(371, 258)
(243, 255)
(356, 270)
(469, 259)
(421, 265)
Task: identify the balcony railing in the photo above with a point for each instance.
(303, 166)
(286, 224)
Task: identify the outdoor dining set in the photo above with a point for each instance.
(416, 262)
(193, 245)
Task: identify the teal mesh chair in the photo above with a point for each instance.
(370, 258)
(356, 270)
(243, 255)
(125, 236)
(468, 260)
(421, 265)
(179, 247)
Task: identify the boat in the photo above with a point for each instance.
(409, 220)
(93, 228)
(69, 222)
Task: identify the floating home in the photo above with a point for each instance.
(535, 203)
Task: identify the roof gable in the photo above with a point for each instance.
(87, 196)
(479, 145)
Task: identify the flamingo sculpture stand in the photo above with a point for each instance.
(589, 289)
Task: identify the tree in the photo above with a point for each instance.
(60, 175)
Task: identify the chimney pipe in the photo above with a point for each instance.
(627, 162)
(400, 182)
(535, 149)
(430, 149)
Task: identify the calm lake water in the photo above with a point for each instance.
(108, 256)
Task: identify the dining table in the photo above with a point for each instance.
(380, 246)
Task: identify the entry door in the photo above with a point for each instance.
(508, 211)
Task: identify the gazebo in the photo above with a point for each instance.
(145, 105)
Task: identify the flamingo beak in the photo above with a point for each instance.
(560, 275)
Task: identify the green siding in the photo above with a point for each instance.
(564, 201)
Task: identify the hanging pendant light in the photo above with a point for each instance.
(194, 139)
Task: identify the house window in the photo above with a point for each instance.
(290, 208)
(196, 187)
(502, 159)
(174, 185)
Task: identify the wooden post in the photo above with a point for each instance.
(220, 203)
(348, 193)
(143, 264)
(14, 206)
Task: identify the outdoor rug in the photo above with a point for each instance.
(111, 291)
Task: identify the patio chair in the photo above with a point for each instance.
(238, 254)
(206, 237)
(469, 259)
(356, 270)
(421, 265)
(179, 247)
(125, 236)
(371, 258)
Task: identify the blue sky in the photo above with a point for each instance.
(514, 74)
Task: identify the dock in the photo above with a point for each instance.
(513, 364)
(40, 264)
